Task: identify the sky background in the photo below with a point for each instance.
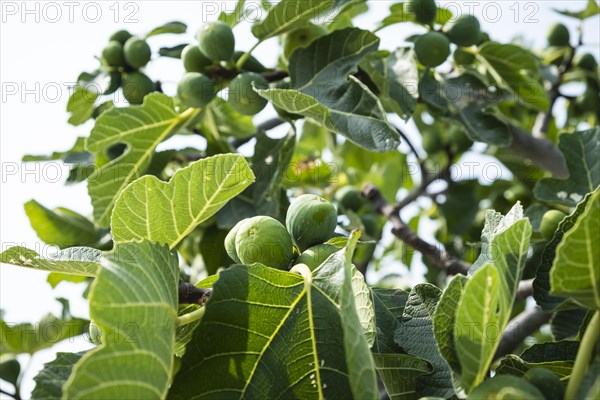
(45, 45)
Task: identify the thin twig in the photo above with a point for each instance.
(275, 75)
(523, 325)
(434, 254)
(554, 92)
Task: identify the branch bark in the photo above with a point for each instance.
(519, 328)
(541, 151)
(190, 294)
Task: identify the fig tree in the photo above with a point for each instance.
(310, 220)
(112, 54)
(10, 369)
(120, 36)
(459, 141)
(590, 100)
(242, 96)
(264, 240)
(550, 222)
(464, 30)
(432, 49)
(586, 62)
(136, 85)
(423, 10)
(302, 37)
(547, 382)
(216, 41)
(195, 90)
(558, 35)
(193, 59)
(315, 255)
(137, 52)
(349, 198)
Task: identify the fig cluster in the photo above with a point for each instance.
(214, 52)
(123, 57)
(310, 222)
(433, 48)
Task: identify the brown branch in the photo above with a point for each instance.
(519, 328)
(554, 92)
(190, 294)
(275, 75)
(541, 151)
(436, 255)
(439, 257)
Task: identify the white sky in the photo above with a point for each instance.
(45, 45)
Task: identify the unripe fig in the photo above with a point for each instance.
(432, 49)
(216, 41)
(137, 52)
(113, 54)
(195, 90)
(369, 221)
(350, 198)
(550, 222)
(558, 35)
(518, 192)
(586, 62)
(115, 82)
(135, 86)
(547, 382)
(310, 220)
(264, 240)
(464, 31)
(302, 37)
(251, 64)
(193, 59)
(315, 255)
(423, 10)
(462, 57)
(229, 242)
(483, 37)
(120, 36)
(242, 96)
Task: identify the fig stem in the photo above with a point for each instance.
(190, 317)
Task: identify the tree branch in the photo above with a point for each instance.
(541, 151)
(439, 257)
(264, 126)
(519, 328)
(190, 294)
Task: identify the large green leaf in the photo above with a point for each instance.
(268, 333)
(575, 272)
(150, 209)
(142, 129)
(515, 365)
(287, 14)
(50, 380)
(512, 66)
(81, 105)
(592, 8)
(415, 336)
(323, 92)
(236, 16)
(487, 300)
(399, 373)
(541, 283)
(444, 320)
(175, 27)
(61, 227)
(476, 314)
(29, 338)
(396, 77)
(220, 119)
(581, 153)
(399, 15)
(75, 260)
(134, 302)
(389, 306)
